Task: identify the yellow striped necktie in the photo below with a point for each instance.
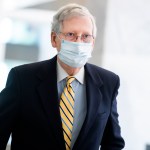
(67, 111)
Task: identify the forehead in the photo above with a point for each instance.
(77, 24)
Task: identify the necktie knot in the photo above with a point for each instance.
(70, 79)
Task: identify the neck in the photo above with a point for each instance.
(70, 70)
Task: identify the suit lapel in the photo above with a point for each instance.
(93, 83)
(49, 98)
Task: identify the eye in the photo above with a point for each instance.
(69, 34)
(86, 36)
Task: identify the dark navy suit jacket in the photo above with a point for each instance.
(29, 110)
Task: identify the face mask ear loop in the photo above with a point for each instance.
(62, 40)
(58, 36)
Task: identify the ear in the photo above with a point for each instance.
(53, 39)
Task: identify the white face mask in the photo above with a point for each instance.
(75, 54)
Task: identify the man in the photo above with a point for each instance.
(43, 113)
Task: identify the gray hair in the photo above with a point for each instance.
(68, 11)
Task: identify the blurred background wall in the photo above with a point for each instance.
(122, 46)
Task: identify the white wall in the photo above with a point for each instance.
(127, 52)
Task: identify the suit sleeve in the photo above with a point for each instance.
(9, 108)
(112, 139)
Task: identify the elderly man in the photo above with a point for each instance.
(63, 103)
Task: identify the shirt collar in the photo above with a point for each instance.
(62, 74)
